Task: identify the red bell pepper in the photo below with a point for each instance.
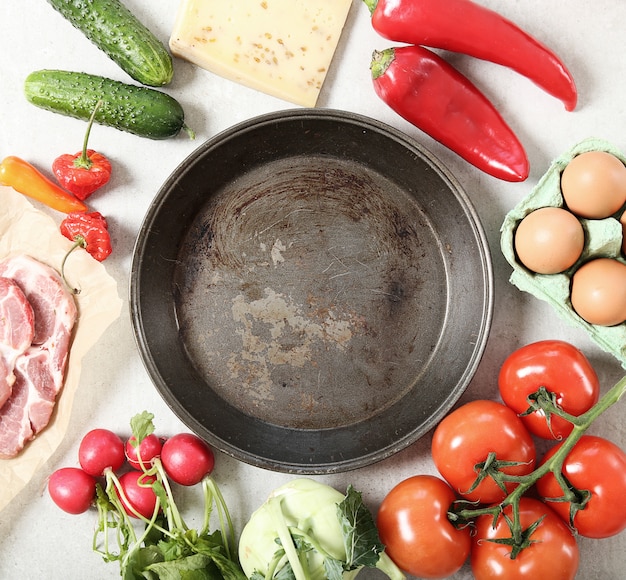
(84, 172)
(466, 27)
(431, 94)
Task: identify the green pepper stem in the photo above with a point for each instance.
(83, 161)
(79, 242)
(381, 59)
(371, 5)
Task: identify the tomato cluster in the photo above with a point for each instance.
(129, 469)
(514, 516)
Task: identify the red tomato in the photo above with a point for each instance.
(559, 367)
(138, 494)
(598, 466)
(465, 437)
(414, 527)
(553, 552)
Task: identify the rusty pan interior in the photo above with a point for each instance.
(311, 291)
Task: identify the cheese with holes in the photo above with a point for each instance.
(281, 47)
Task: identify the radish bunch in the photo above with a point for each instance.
(131, 483)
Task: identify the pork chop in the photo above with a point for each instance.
(16, 332)
(40, 370)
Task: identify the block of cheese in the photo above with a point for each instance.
(280, 47)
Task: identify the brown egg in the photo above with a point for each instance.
(549, 240)
(598, 292)
(593, 184)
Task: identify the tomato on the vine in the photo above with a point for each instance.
(466, 437)
(413, 525)
(561, 369)
(598, 466)
(552, 551)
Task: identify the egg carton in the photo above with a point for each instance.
(603, 238)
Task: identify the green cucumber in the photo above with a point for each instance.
(139, 110)
(118, 33)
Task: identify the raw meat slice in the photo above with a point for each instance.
(44, 289)
(40, 371)
(15, 426)
(16, 332)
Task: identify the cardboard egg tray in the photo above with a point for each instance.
(603, 238)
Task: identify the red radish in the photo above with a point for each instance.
(72, 489)
(148, 449)
(138, 493)
(101, 449)
(187, 459)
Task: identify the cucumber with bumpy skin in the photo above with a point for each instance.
(118, 33)
(139, 110)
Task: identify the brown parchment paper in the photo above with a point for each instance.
(25, 229)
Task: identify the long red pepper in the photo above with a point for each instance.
(469, 28)
(431, 94)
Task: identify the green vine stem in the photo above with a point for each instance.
(83, 161)
(461, 516)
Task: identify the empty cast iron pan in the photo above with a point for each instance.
(311, 291)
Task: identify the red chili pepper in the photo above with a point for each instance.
(84, 172)
(431, 94)
(466, 27)
(89, 231)
(27, 180)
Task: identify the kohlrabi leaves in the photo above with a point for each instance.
(363, 545)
